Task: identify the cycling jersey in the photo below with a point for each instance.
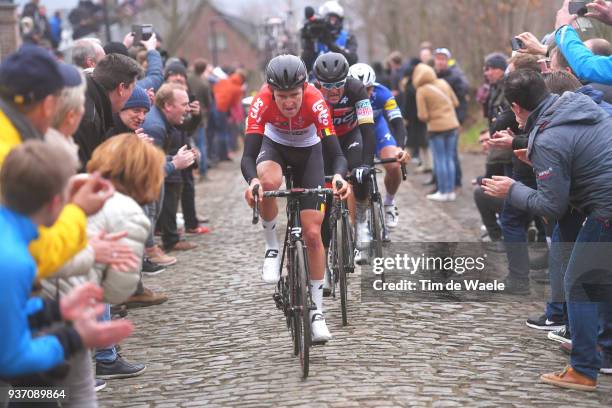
(353, 109)
(305, 129)
(384, 104)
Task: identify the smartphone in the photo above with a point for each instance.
(578, 7)
(142, 32)
(517, 44)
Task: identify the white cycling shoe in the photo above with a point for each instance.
(318, 328)
(271, 266)
(363, 235)
(391, 215)
(361, 257)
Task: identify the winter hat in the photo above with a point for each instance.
(139, 99)
(496, 60)
(116, 48)
(175, 68)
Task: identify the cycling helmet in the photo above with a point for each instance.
(286, 72)
(331, 7)
(331, 67)
(364, 73)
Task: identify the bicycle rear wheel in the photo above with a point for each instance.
(301, 307)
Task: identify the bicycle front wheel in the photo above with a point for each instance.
(340, 247)
(301, 307)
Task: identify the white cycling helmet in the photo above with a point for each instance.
(364, 73)
(331, 7)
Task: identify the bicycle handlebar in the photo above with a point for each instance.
(294, 192)
(393, 160)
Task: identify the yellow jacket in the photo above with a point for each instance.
(63, 240)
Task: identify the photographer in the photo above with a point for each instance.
(324, 33)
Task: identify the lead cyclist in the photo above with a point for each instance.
(289, 124)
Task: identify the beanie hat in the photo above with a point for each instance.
(116, 48)
(175, 68)
(496, 60)
(139, 99)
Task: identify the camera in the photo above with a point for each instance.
(517, 44)
(578, 7)
(142, 32)
(315, 27)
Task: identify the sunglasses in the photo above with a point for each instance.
(333, 85)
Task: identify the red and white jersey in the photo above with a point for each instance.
(312, 122)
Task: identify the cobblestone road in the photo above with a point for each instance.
(220, 342)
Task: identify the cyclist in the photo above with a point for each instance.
(353, 120)
(386, 114)
(289, 124)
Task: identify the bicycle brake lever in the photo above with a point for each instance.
(404, 171)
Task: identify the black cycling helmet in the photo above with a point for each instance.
(331, 67)
(286, 72)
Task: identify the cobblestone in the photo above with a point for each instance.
(220, 342)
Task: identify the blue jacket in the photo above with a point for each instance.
(596, 96)
(586, 66)
(570, 146)
(154, 77)
(157, 127)
(20, 352)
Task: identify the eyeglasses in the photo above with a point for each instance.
(333, 85)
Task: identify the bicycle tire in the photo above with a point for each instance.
(293, 299)
(376, 230)
(349, 245)
(302, 307)
(342, 283)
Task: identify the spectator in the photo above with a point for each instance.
(130, 120)
(108, 89)
(394, 62)
(514, 221)
(599, 46)
(200, 88)
(583, 61)
(85, 18)
(447, 69)
(135, 167)
(416, 130)
(171, 108)
(436, 103)
(228, 92)
(87, 53)
(332, 37)
(29, 81)
(32, 179)
(55, 25)
(578, 176)
(154, 72)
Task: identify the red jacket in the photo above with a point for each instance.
(228, 92)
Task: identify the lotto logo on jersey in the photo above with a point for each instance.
(255, 108)
(320, 107)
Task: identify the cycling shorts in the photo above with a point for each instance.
(384, 137)
(307, 167)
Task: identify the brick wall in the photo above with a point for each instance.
(238, 51)
(9, 34)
